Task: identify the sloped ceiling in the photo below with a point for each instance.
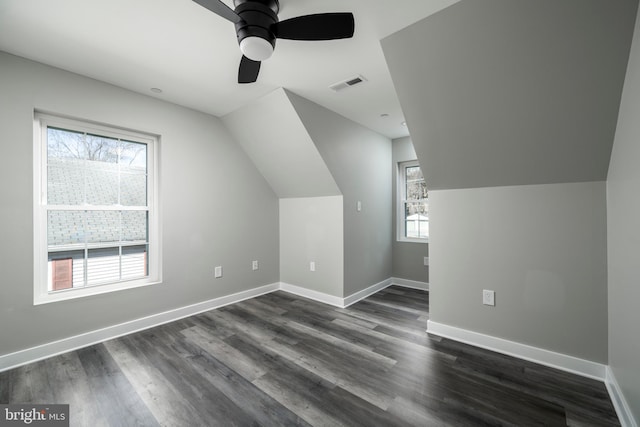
(193, 55)
(272, 134)
(513, 92)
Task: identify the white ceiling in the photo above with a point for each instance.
(192, 54)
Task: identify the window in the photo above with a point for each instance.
(95, 209)
(413, 204)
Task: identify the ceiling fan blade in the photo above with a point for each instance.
(321, 26)
(248, 72)
(221, 9)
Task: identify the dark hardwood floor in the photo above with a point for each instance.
(281, 360)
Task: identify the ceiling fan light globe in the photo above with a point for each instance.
(256, 48)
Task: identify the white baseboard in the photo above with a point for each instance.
(552, 359)
(314, 295)
(413, 284)
(33, 354)
(360, 295)
(619, 402)
(331, 299)
(567, 363)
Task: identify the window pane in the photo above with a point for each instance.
(133, 178)
(102, 185)
(65, 151)
(417, 220)
(424, 229)
(101, 151)
(414, 173)
(56, 271)
(133, 189)
(133, 155)
(415, 186)
(65, 144)
(417, 208)
(103, 226)
(134, 262)
(134, 226)
(64, 228)
(103, 265)
(65, 182)
(416, 190)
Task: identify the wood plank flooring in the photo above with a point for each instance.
(282, 360)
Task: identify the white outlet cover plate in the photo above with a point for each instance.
(488, 297)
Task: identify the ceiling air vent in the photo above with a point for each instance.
(337, 87)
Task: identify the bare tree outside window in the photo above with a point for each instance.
(67, 144)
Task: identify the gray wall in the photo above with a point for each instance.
(272, 135)
(541, 248)
(311, 229)
(360, 162)
(513, 92)
(623, 212)
(281, 148)
(408, 257)
(510, 93)
(216, 208)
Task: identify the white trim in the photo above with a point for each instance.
(360, 295)
(41, 291)
(334, 300)
(412, 284)
(400, 201)
(623, 410)
(582, 367)
(403, 239)
(314, 295)
(544, 357)
(33, 354)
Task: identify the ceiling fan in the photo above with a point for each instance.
(258, 27)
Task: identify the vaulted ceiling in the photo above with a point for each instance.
(192, 54)
(513, 92)
(495, 92)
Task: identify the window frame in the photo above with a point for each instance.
(41, 293)
(401, 199)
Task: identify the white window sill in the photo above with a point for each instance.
(72, 293)
(410, 240)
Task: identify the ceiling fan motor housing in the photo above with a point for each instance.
(257, 27)
(257, 18)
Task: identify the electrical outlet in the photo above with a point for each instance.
(254, 265)
(218, 272)
(312, 266)
(488, 297)
(426, 260)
